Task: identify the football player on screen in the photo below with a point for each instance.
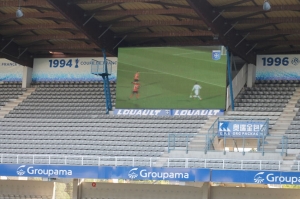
(135, 90)
(196, 91)
(136, 76)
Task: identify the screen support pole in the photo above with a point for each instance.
(230, 78)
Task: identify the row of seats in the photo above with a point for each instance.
(278, 85)
(69, 82)
(259, 109)
(269, 88)
(76, 122)
(279, 105)
(277, 82)
(261, 101)
(91, 96)
(245, 96)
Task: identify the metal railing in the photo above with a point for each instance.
(175, 138)
(141, 161)
(182, 142)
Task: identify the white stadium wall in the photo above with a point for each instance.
(10, 71)
(69, 69)
(237, 84)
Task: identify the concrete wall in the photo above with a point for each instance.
(27, 77)
(251, 75)
(253, 193)
(237, 84)
(197, 191)
(26, 188)
(141, 191)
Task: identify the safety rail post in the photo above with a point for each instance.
(17, 159)
(224, 147)
(33, 159)
(206, 145)
(244, 145)
(169, 143)
(151, 162)
(186, 144)
(116, 161)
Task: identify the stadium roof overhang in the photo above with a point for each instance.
(56, 28)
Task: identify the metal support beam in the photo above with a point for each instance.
(39, 26)
(274, 20)
(34, 15)
(180, 43)
(49, 37)
(144, 12)
(62, 47)
(11, 51)
(24, 3)
(258, 8)
(276, 32)
(111, 1)
(75, 15)
(184, 22)
(219, 26)
(171, 34)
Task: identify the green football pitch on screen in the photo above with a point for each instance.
(171, 78)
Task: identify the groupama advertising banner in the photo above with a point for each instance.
(278, 67)
(151, 173)
(95, 172)
(257, 177)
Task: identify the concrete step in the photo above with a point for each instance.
(11, 104)
(288, 114)
(7, 108)
(3, 112)
(22, 97)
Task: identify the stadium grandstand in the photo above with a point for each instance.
(140, 99)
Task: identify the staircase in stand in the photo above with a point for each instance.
(15, 102)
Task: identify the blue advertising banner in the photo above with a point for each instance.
(278, 67)
(168, 112)
(241, 129)
(155, 173)
(95, 172)
(258, 177)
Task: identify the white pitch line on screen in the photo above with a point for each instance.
(201, 59)
(197, 80)
(188, 53)
(129, 71)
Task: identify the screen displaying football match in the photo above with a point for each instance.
(171, 78)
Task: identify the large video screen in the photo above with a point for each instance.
(171, 78)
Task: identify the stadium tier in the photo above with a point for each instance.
(69, 119)
(66, 121)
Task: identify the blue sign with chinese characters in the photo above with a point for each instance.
(242, 129)
(257, 177)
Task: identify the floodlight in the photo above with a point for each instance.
(266, 6)
(19, 12)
